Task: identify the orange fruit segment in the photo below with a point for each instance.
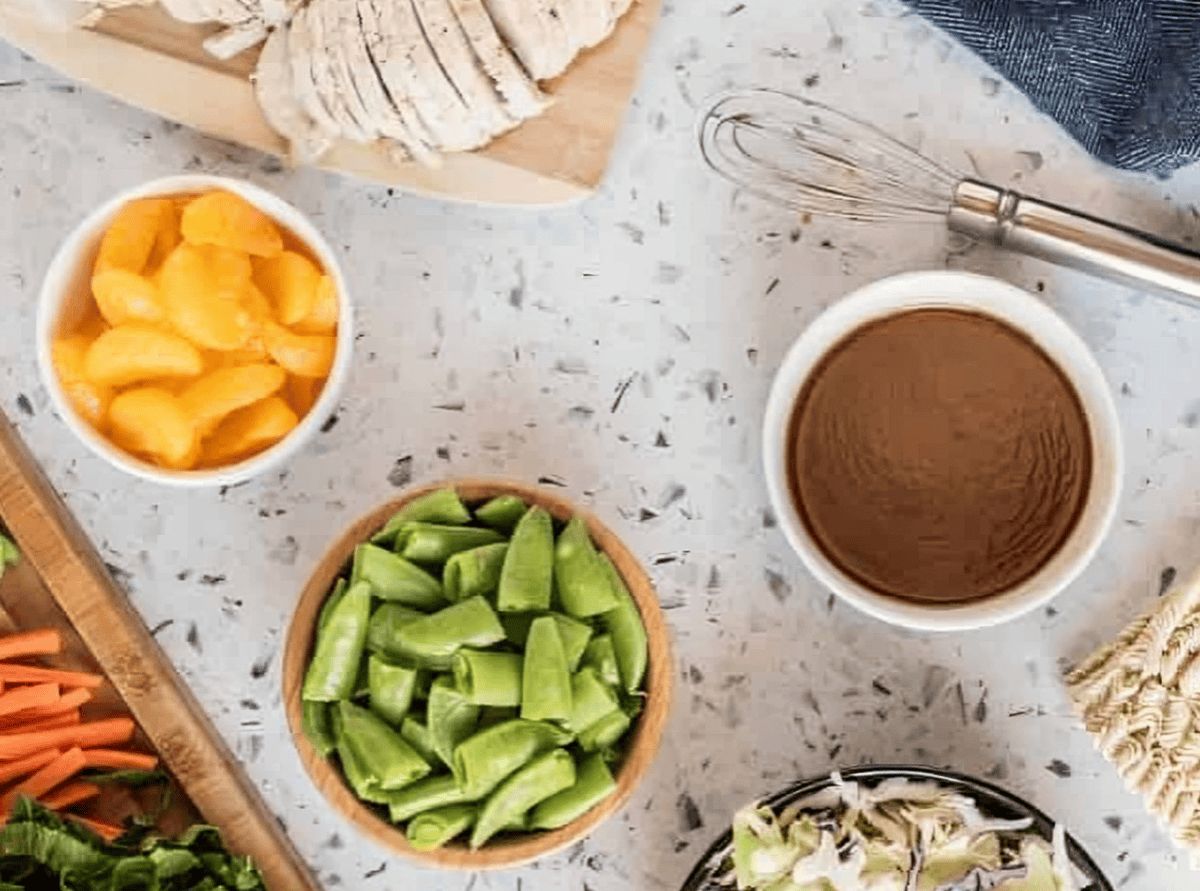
(134, 352)
(153, 422)
(225, 390)
(257, 304)
(189, 292)
(68, 355)
(248, 430)
(130, 237)
(226, 220)
(308, 355)
(302, 392)
(230, 269)
(290, 281)
(125, 296)
(166, 239)
(323, 317)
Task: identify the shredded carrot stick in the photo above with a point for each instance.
(119, 759)
(93, 734)
(53, 774)
(28, 697)
(24, 766)
(35, 674)
(106, 831)
(65, 703)
(65, 796)
(42, 642)
(54, 722)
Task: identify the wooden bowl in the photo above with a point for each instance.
(506, 851)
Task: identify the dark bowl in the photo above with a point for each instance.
(991, 800)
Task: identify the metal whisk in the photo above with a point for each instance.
(814, 159)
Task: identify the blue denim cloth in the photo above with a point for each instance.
(1121, 76)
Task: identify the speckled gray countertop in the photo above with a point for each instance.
(622, 349)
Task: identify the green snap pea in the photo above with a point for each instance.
(605, 732)
(334, 667)
(546, 775)
(383, 635)
(474, 572)
(424, 795)
(527, 576)
(485, 759)
(545, 679)
(362, 682)
(575, 634)
(442, 506)
(451, 718)
(334, 598)
(503, 513)
(471, 623)
(433, 829)
(624, 624)
(364, 784)
(416, 734)
(517, 823)
(583, 586)
(429, 543)
(379, 748)
(314, 721)
(390, 688)
(600, 657)
(591, 700)
(489, 678)
(394, 578)
(593, 784)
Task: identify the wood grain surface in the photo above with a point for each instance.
(504, 852)
(104, 632)
(141, 55)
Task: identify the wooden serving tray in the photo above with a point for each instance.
(61, 582)
(143, 56)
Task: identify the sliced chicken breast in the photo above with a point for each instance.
(329, 73)
(371, 31)
(276, 92)
(230, 41)
(454, 53)
(530, 30)
(300, 54)
(517, 89)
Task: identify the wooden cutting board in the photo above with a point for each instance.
(143, 56)
(61, 582)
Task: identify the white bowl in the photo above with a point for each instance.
(1020, 310)
(66, 290)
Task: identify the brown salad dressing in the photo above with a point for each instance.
(939, 455)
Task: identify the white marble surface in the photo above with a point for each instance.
(493, 341)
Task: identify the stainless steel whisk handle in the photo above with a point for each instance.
(1075, 240)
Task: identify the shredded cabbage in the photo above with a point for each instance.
(899, 835)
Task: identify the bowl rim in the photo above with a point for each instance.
(647, 730)
(79, 247)
(699, 877)
(1020, 310)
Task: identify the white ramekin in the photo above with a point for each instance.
(66, 287)
(1020, 310)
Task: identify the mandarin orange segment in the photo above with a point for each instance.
(230, 269)
(257, 304)
(249, 430)
(136, 352)
(302, 392)
(153, 422)
(308, 355)
(226, 220)
(92, 325)
(166, 239)
(68, 355)
(216, 394)
(323, 318)
(130, 237)
(290, 281)
(125, 296)
(189, 293)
